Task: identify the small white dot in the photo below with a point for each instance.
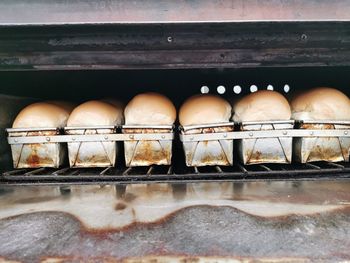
(204, 89)
(221, 89)
(286, 88)
(269, 87)
(237, 89)
(253, 88)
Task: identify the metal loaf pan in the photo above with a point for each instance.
(91, 153)
(35, 155)
(265, 150)
(313, 148)
(145, 152)
(208, 152)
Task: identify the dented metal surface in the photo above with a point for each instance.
(92, 154)
(266, 150)
(212, 222)
(35, 155)
(208, 152)
(332, 149)
(147, 152)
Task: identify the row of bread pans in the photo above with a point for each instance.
(204, 145)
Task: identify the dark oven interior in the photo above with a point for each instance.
(82, 62)
(19, 88)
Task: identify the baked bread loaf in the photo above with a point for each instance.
(41, 115)
(95, 113)
(263, 105)
(204, 109)
(118, 104)
(150, 109)
(68, 106)
(321, 104)
(114, 102)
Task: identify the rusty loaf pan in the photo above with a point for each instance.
(331, 149)
(91, 153)
(36, 155)
(147, 152)
(208, 152)
(265, 150)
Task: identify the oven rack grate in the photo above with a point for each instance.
(124, 175)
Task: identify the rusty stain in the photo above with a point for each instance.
(35, 155)
(311, 126)
(323, 148)
(218, 129)
(104, 236)
(209, 159)
(202, 154)
(144, 130)
(33, 160)
(265, 150)
(320, 152)
(120, 206)
(129, 197)
(257, 156)
(91, 161)
(35, 199)
(134, 225)
(5, 260)
(91, 154)
(145, 153)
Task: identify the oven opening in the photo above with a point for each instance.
(20, 88)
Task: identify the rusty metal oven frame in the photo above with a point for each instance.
(237, 135)
(89, 137)
(179, 173)
(183, 137)
(175, 46)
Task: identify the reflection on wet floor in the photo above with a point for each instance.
(143, 213)
(283, 191)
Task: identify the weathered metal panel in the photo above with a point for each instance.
(266, 150)
(247, 222)
(91, 154)
(233, 45)
(37, 12)
(208, 153)
(147, 152)
(35, 155)
(331, 149)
